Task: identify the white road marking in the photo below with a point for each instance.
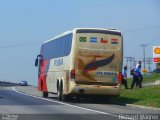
(96, 111)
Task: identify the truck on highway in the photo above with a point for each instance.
(84, 61)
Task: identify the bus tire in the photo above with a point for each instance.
(60, 95)
(45, 94)
(60, 91)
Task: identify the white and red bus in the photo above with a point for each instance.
(84, 61)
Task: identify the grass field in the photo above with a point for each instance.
(151, 77)
(146, 96)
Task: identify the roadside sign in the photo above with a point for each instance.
(145, 71)
(156, 54)
(156, 60)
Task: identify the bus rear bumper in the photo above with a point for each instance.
(96, 90)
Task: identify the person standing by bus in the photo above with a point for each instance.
(136, 76)
(140, 80)
(124, 76)
(140, 77)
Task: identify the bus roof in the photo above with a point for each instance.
(80, 30)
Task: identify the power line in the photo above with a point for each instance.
(31, 44)
(20, 45)
(144, 56)
(155, 40)
(130, 60)
(149, 62)
(142, 29)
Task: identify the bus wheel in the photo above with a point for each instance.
(60, 95)
(60, 92)
(45, 94)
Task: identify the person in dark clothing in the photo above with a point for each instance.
(136, 76)
(124, 76)
(140, 79)
(140, 76)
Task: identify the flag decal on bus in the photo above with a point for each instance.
(114, 41)
(82, 39)
(104, 40)
(93, 39)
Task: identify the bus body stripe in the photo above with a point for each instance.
(94, 65)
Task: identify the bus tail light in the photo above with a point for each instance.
(73, 73)
(120, 77)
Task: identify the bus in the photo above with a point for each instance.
(84, 61)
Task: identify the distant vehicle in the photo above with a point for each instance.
(83, 61)
(23, 83)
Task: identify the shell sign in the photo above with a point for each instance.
(157, 50)
(156, 53)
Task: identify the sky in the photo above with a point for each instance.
(26, 24)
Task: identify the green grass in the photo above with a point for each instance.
(146, 96)
(151, 77)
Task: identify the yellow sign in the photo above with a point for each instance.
(145, 70)
(156, 53)
(157, 50)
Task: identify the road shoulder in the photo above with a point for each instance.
(32, 90)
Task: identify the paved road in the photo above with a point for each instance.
(157, 82)
(16, 105)
(25, 106)
(102, 105)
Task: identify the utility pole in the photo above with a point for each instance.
(133, 60)
(144, 57)
(130, 59)
(127, 59)
(149, 62)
